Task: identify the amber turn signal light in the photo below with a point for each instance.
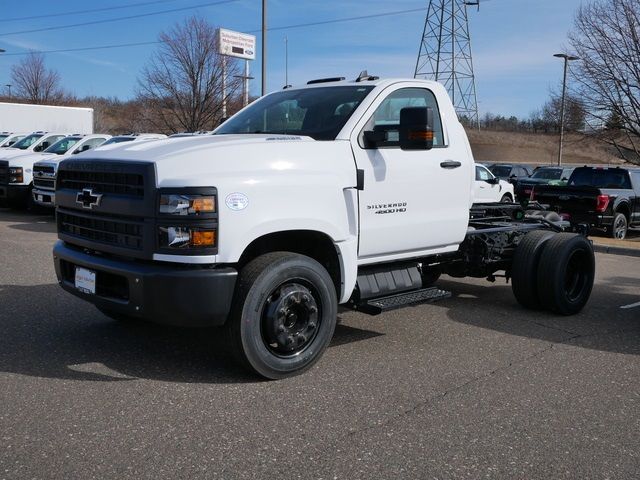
(203, 238)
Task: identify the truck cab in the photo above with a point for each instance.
(355, 193)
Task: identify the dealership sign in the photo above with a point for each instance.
(236, 44)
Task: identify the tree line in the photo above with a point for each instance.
(179, 89)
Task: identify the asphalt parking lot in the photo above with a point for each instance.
(471, 387)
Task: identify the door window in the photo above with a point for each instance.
(482, 174)
(387, 115)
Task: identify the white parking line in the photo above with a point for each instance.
(633, 305)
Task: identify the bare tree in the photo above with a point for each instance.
(181, 86)
(34, 82)
(606, 37)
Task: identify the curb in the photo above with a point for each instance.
(613, 250)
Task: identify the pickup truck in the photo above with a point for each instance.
(16, 176)
(542, 176)
(45, 164)
(354, 193)
(604, 198)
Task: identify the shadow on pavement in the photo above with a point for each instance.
(48, 333)
(39, 221)
(602, 325)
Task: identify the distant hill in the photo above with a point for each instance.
(538, 149)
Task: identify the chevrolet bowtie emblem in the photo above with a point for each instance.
(88, 199)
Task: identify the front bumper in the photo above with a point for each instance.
(45, 198)
(169, 293)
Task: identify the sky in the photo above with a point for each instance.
(513, 42)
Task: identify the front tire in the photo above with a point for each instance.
(506, 198)
(284, 314)
(566, 273)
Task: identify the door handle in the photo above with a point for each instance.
(450, 164)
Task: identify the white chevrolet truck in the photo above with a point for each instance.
(352, 193)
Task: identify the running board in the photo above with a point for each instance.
(376, 306)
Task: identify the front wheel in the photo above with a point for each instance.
(284, 314)
(506, 199)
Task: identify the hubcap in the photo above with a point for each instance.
(290, 319)
(620, 228)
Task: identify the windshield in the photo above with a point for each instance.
(2, 137)
(319, 113)
(118, 140)
(600, 178)
(62, 146)
(27, 141)
(547, 173)
(500, 170)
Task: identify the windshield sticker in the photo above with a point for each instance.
(236, 201)
(284, 138)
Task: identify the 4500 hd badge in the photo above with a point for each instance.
(385, 208)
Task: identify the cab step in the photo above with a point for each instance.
(376, 306)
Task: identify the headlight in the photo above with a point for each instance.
(174, 204)
(15, 175)
(187, 237)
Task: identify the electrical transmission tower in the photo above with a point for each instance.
(445, 54)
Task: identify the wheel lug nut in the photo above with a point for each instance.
(282, 312)
(305, 298)
(312, 325)
(289, 340)
(313, 309)
(281, 328)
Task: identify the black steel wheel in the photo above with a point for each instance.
(524, 269)
(284, 314)
(566, 273)
(619, 227)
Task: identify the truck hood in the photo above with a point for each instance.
(27, 161)
(10, 153)
(185, 161)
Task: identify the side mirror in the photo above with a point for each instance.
(493, 181)
(373, 138)
(416, 128)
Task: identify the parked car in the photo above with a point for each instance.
(542, 176)
(511, 172)
(490, 189)
(604, 198)
(44, 169)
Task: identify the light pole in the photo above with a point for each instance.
(286, 60)
(8, 85)
(264, 47)
(567, 59)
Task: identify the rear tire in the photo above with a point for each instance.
(566, 273)
(284, 314)
(619, 227)
(524, 270)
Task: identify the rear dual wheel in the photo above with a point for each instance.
(284, 314)
(553, 271)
